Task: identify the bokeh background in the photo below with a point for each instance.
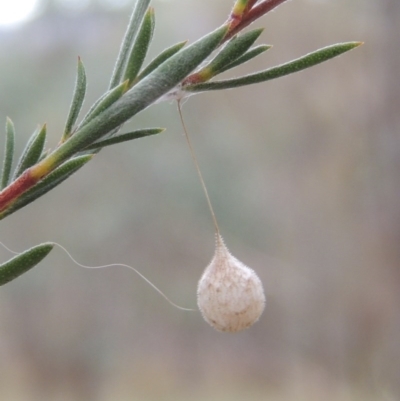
(304, 176)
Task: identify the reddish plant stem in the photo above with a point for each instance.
(236, 15)
(250, 5)
(255, 13)
(24, 182)
(234, 21)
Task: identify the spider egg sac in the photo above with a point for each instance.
(230, 295)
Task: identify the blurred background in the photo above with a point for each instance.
(303, 174)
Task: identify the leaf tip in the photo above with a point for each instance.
(9, 122)
(352, 45)
(48, 245)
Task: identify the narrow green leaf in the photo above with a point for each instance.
(140, 46)
(104, 102)
(131, 31)
(249, 55)
(125, 137)
(8, 153)
(49, 182)
(299, 64)
(235, 48)
(77, 100)
(44, 154)
(32, 152)
(161, 58)
(23, 262)
(163, 79)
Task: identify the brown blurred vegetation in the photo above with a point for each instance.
(304, 176)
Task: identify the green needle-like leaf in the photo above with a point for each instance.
(299, 64)
(77, 100)
(125, 137)
(8, 153)
(140, 47)
(49, 182)
(161, 58)
(105, 101)
(131, 31)
(163, 79)
(32, 152)
(249, 55)
(235, 48)
(23, 262)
